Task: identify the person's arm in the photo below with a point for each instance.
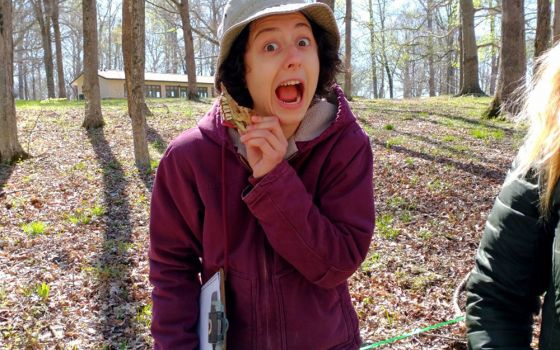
(174, 256)
(510, 271)
(325, 238)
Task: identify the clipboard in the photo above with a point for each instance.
(212, 322)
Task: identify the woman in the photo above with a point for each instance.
(519, 256)
(285, 207)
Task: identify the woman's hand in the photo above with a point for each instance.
(266, 144)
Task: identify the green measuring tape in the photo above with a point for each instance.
(414, 332)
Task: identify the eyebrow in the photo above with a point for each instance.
(276, 29)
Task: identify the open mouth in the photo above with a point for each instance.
(290, 91)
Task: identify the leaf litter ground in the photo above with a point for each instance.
(74, 221)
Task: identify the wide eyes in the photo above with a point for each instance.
(272, 47)
(304, 42)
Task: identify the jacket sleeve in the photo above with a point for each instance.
(174, 256)
(325, 238)
(510, 271)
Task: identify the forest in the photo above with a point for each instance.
(432, 82)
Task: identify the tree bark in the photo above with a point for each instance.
(431, 69)
(348, 51)
(58, 47)
(41, 9)
(494, 65)
(556, 26)
(93, 117)
(372, 49)
(183, 7)
(328, 2)
(10, 149)
(133, 43)
(512, 60)
(542, 37)
(469, 54)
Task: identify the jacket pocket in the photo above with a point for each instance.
(240, 300)
(314, 317)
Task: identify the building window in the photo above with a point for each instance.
(184, 92)
(202, 92)
(171, 91)
(153, 90)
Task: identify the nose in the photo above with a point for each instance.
(293, 58)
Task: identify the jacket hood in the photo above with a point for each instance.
(211, 123)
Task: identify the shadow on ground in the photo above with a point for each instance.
(113, 266)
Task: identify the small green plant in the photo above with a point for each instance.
(390, 317)
(85, 216)
(425, 234)
(384, 227)
(97, 211)
(389, 127)
(394, 141)
(371, 262)
(144, 315)
(396, 202)
(3, 296)
(485, 134)
(449, 138)
(436, 185)
(405, 216)
(43, 291)
(80, 166)
(34, 228)
(409, 161)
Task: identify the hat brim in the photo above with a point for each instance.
(319, 13)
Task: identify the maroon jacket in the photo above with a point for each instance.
(291, 239)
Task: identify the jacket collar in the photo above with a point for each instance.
(313, 130)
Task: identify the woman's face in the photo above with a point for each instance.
(282, 68)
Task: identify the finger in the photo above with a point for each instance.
(265, 147)
(275, 142)
(268, 122)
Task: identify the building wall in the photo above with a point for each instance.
(112, 88)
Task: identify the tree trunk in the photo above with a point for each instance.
(328, 2)
(512, 60)
(469, 54)
(183, 7)
(93, 117)
(494, 65)
(431, 70)
(133, 44)
(58, 46)
(41, 8)
(372, 49)
(556, 26)
(542, 37)
(10, 149)
(348, 51)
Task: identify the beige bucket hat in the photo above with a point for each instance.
(239, 13)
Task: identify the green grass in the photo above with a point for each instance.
(384, 227)
(85, 216)
(394, 141)
(371, 262)
(43, 291)
(485, 134)
(389, 127)
(34, 228)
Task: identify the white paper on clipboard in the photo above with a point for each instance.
(212, 291)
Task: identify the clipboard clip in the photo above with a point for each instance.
(217, 322)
